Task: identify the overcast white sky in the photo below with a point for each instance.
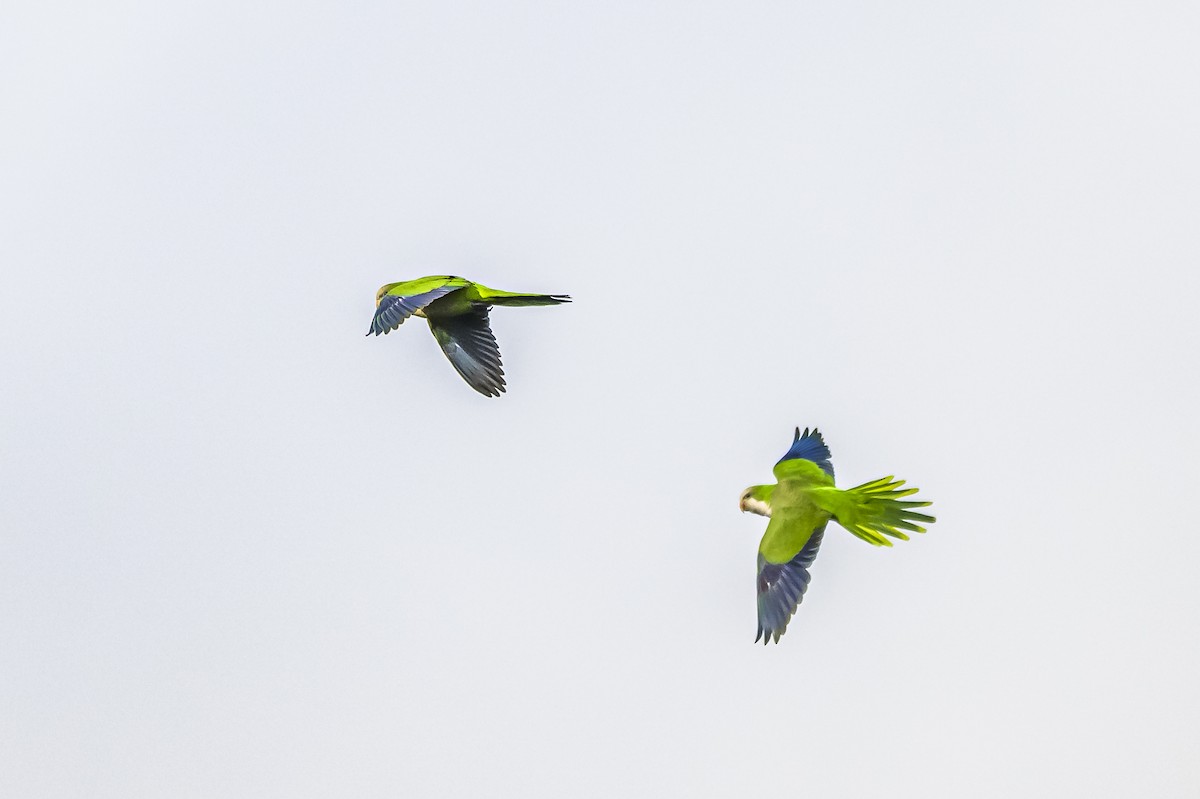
(247, 552)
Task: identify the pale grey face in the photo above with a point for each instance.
(751, 504)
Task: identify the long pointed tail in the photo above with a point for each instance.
(875, 510)
(510, 299)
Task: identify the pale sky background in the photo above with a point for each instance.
(246, 551)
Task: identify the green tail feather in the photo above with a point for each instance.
(524, 300)
(873, 511)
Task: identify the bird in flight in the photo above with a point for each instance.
(457, 312)
(799, 505)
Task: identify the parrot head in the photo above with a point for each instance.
(384, 289)
(756, 499)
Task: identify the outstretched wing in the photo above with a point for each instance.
(808, 446)
(468, 342)
(402, 300)
(781, 586)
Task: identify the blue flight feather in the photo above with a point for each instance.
(810, 447)
(781, 586)
(394, 309)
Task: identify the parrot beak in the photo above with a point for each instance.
(749, 504)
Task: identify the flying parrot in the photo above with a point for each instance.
(457, 312)
(799, 505)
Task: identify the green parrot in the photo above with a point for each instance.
(457, 312)
(799, 505)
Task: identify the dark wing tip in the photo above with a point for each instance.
(468, 343)
(781, 588)
(489, 391)
(810, 445)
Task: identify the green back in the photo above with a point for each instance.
(410, 288)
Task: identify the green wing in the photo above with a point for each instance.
(790, 528)
(781, 584)
(807, 463)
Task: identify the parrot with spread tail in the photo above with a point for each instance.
(799, 505)
(457, 312)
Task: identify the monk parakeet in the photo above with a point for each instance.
(457, 312)
(799, 505)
